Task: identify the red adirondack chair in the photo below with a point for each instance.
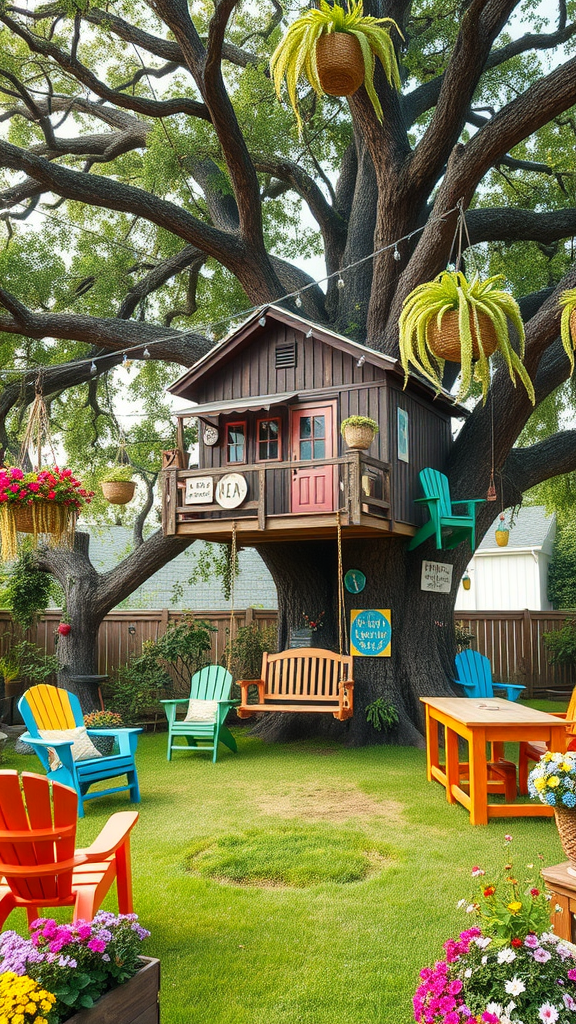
(39, 865)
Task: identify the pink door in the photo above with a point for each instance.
(312, 440)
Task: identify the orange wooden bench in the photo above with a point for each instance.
(307, 679)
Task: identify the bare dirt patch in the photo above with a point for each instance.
(317, 802)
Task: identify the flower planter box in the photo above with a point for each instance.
(134, 1002)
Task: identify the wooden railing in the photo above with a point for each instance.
(363, 484)
(511, 640)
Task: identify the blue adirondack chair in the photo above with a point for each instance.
(212, 686)
(474, 675)
(45, 707)
(444, 524)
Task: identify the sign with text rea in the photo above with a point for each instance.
(436, 577)
(370, 633)
(231, 490)
(199, 490)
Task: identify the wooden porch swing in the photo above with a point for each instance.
(308, 679)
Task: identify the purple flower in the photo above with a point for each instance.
(541, 955)
(532, 941)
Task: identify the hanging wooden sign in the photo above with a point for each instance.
(436, 577)
(199, 490)
(231, 490)
(370, 633)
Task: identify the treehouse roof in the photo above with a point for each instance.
(189, 384)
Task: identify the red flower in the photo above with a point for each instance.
(534, 892)
(489, 890)
(516, 943)
(64, 628)
(51, 494)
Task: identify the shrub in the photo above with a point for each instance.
(561, 644)
(382, 715)
(247, 648)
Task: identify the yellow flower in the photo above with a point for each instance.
(553, 781)
(30, 1007)
(41, 1020)
(566, 767)
(514, 907)
(547, 756)
(18, 1018)
(540, 783)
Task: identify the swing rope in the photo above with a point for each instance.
(342, 632)
(233, 555)
(37, 430)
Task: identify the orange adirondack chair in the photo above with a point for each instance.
(533, 751)
(39, 866)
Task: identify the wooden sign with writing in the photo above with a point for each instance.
(436, 577)
(199, 490)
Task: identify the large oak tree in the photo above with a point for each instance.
(143, 139)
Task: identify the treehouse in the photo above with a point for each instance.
(270, 399)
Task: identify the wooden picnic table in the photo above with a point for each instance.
(482, 721)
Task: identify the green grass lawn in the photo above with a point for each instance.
(375, 858)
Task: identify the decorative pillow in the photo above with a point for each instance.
(201, 710)
(82, 747)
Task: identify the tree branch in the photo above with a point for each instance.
(158, 276)
(509, 224)
(551, 457)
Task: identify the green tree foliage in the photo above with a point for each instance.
(562, 572)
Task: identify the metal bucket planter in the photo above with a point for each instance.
(131, 1003)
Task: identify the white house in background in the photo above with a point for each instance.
(514, 577)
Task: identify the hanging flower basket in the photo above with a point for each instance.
(44, 503)
(118, 492)
(340, 64)
(464, 322)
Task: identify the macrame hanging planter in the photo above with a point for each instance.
(42, 502)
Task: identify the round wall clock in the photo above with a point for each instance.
(354, 581)
(210, 435)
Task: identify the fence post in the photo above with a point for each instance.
(528, 651)
(163, 624)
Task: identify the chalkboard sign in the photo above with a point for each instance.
(370, 633)
(300, 638)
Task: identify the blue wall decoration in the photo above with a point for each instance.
(370, 633)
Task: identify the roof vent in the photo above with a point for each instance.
(286, 356)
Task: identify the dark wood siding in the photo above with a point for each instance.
(429, 440)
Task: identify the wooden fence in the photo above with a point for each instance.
(511, 640)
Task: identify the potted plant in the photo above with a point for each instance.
(553, 782)
(502, 532)
(359, 431)
(97, 975)
(464, 322)
(506, 969)
(118, 486)
(42, 502)
(103, 720)
(336, 50)
(568, 323)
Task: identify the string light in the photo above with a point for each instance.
(146, 353)
(396, 254)
(310, 333)
(93, 367)
(262, 321)
(208, 329)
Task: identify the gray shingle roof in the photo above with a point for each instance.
(254, 585)
(533, 528)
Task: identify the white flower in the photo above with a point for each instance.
(506, 955)
(461, 903)
(468, 972)
(495, 1008)
(514, 987)
(548, 1014)
(549, 937)
(482, 941)
(484, 960)
(470, 908)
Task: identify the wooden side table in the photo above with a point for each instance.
(563, 889)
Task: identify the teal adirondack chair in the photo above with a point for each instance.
(474, 675)
(444, 524)
(211, 686)
(45, 707)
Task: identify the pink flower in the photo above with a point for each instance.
(548, 1013)
(532, 942)
(97, 945)
(541, 956)
(489, 1018)
(14, 488)
(16, 473)
(572, 974)
(507, 839)
(476, 872)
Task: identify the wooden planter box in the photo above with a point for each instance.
(134, 1002)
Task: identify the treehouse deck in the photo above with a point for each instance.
(282, 500)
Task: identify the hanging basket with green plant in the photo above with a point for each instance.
(336, 50)
(118, 486)
(465, 322)
(568, 323)
(359, 431)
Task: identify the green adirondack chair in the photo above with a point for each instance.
(210, 696)
(449, 528)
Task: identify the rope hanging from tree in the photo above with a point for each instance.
(233, 556)
(342, 631)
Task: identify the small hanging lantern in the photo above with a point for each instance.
(502, 532)
(466, 581)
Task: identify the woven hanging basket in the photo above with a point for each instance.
(340, 63)
(358, 437)
(444, 341)
(118, 492)
(502, 538)
(43, 518)
(566, 825)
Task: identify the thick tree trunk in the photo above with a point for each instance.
(422, 650)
